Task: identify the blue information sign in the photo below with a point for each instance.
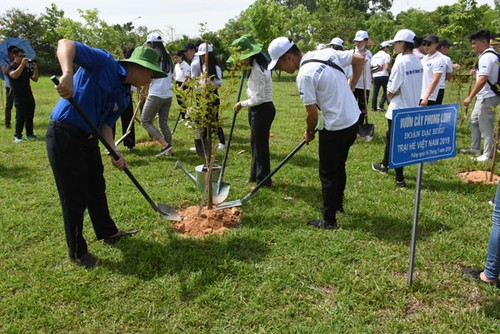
(423, 134)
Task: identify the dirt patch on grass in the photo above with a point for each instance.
(479, 176)
(209, 222)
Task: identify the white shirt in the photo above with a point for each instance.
(214, 80)
(432, 64)
(487, 65)
(195, 67)
(182, 71)
(366, 81)
(381, 58)
(161, 87)
(259, 87)
(327, 87)
(405, 82)
(449, 70)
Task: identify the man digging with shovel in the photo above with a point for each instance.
(323, 86)
(102, 87)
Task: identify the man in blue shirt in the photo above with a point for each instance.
(101, 87)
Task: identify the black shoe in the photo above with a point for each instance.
(321, 224)
(167, 150)
(120, 235)
(380, 168)
(88, 261)
(8, 126)
(475, 275)
(401, 185)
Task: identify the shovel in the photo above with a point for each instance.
(167, 212)
(366, 130)
(222, 189)
(239, 202)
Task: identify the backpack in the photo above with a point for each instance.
(495, 87)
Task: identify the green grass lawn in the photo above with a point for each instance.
(272, 275)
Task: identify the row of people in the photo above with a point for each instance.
(323, 88)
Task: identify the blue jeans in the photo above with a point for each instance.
(377, 83)
(492, 267)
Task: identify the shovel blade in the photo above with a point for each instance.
(167, 212)
(230, 204)
(220, 194)
(366, 132)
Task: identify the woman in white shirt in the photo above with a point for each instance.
(159, 98)
(261, 110)
(403, 91)
(182, 72)
(215, 74)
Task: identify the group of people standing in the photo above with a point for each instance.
(328, 82)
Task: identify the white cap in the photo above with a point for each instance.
(278, 47)
(153, 37)
(404, 35)
(321, 46)
(361, 35)
(202, 49)
(385, 44)
(336, 41)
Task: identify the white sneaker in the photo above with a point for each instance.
(470, 151)
(192, 149)
(482, 158)
(221, 147)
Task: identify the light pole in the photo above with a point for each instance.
(131, 23)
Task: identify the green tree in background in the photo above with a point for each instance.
(307, 22)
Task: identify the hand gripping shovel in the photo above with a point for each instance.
(166, 211)
(222, 189)
(239, 202)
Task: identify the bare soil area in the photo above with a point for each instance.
(479, 176)
(209, 222)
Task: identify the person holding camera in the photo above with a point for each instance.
(20, 72)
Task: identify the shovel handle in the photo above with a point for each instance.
(111, 151)
(275, 170)
(233, 122)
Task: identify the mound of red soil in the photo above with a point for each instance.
(209, 222)
(479, 176)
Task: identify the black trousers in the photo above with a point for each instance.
(9, 103)
(333, 151)
(260, 118)
(78, 171)
(359, 94)
(25, 112)
(399, 171)
(126, 118)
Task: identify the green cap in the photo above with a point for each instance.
(247, 45)
(146, 57)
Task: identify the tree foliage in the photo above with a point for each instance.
(308, 22)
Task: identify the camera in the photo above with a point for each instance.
(31, 61)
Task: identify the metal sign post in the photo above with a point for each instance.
(420, 135)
